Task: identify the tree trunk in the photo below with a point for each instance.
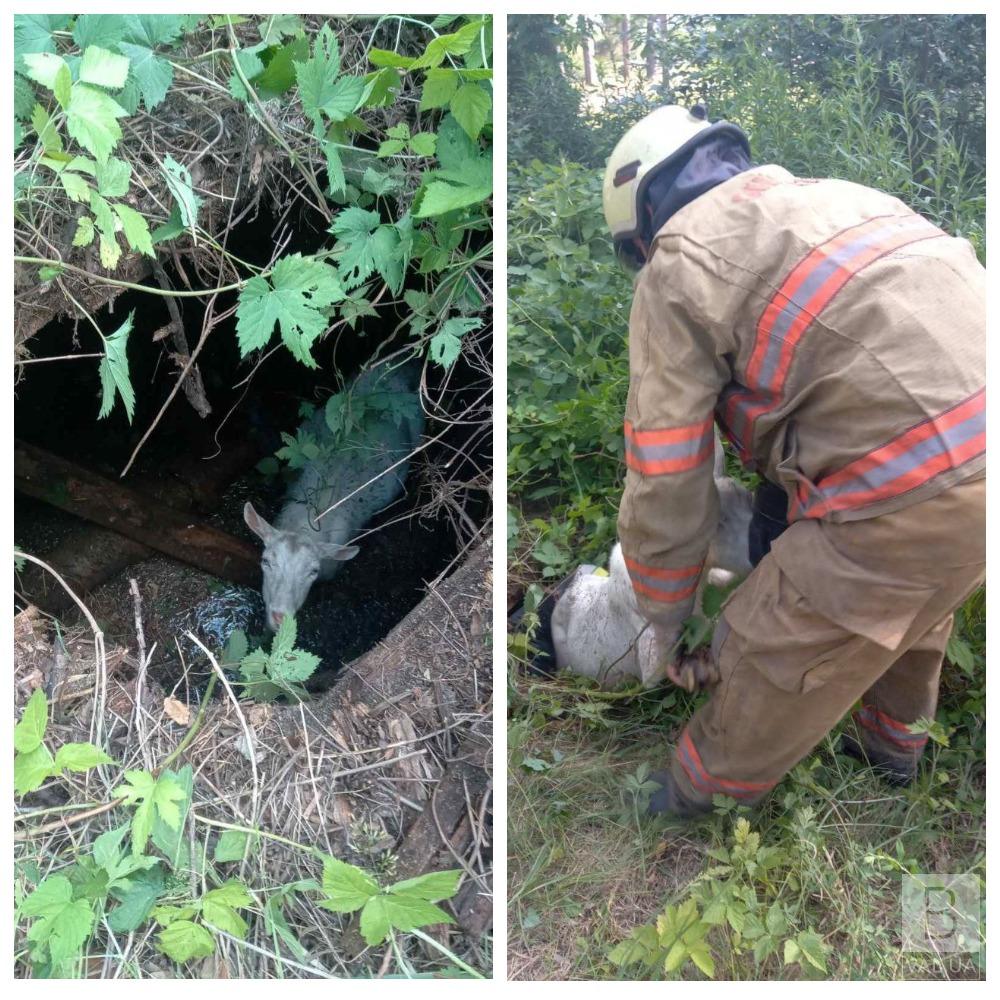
(650, 47)
(589, 77)
(662, 34)
(176, 534)
(626, 49)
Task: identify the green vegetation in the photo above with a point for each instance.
(808, 885)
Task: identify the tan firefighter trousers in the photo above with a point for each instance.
(834, 614)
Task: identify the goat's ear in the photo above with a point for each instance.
(331, 550)
(257, 524)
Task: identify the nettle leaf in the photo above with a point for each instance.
(80, 757)
(178, 179)
(75, 186)
(471, 107)
(30, 731)
(294, 298)
(32, 769)
(62, 923)
(103, 68)
(344, 98)
(24, 98)
(84, 232)
(317, 74)
(92, 119)
(135, 228)
(105, 30)
(347, 888)
(446, 344)
(114, 371)
(183, 940)
(151, 75)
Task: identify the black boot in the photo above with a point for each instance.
(893, 770)
(667, 802)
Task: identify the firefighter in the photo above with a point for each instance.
(837, 339)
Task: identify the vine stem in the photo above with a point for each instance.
(118, 283)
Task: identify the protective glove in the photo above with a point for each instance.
(691, 671)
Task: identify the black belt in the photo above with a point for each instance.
(770, 518)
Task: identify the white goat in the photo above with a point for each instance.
(364, 475)
(597, 630)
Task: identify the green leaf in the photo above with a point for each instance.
(178, 179)
(382, 88)
(63, 87)
(298, 290)
(136, 229)
(391, 147)
(44, 67)
(80, 757)
(92, 119)
(33, 32)
(335, 180)
(231, 846)
(75, 186)
(183, 940)
(136, 901)
(105, 30)
(455, 44)
(49, 271)
(114, 371)
(344, 98)
(107, 848)
(317, 74)
(446, 344)
(279, 74)
(813, 948)
(440, 86)
(113, 177)
(24, 98)
(151, 73)
(386, 58)
(347, 887)
(471, 107)
(170, 229)
(32, 769)
(424, 143)
(45, 128)
(103, 68)
(354, 228)
(219, 906)
(432, 887)
(62, 923)
(30, 731)
(439, 198)
(152, 29)
(403, 913)
(278, 26)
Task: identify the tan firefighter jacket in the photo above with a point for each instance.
(836, 337)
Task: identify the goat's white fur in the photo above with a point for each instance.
(597, 629)
(299, 550)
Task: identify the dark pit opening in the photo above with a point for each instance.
(410, 543)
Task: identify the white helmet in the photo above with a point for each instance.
(661, 138)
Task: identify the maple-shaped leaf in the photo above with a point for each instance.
(92, 119)
(298, 290)
(62, 923)
(151, 797)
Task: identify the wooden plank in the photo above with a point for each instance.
(79, 491)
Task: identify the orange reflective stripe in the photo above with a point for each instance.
(706, 783)
(669, 450)
(664, 585)
(889, 729)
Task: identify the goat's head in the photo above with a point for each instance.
(290, 564)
